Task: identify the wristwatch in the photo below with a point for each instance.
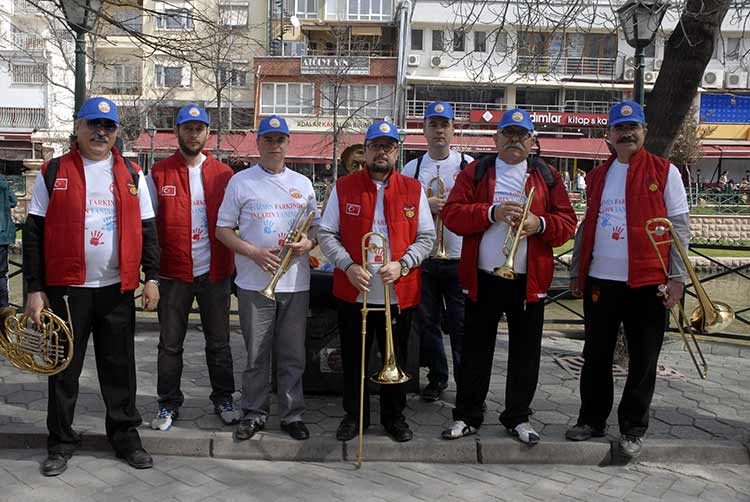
(404, 268)
(153, 281)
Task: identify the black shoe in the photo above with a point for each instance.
(433, 391)
(583, 432)
(297, 430)
(399, 430)
(348, 428)
(247, 429)
(55, 464)
(138, 459)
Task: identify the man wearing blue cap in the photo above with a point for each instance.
(90, 229)
(618, 272)
(187, 189)
(263, 202)
(376, 199)
(485, 205)
(440, 286)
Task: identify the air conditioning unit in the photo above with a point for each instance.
(657, 64)
(649, 77)
(630, 62)
(412, 60)
(713, 79)
(437, 62)
(629, 74)
(737, 80)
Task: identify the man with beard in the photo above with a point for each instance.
(486, 203)
(90, 228)
(441, 291)
(263, 202)
(376, 199)
(619, 273)
(187, 189)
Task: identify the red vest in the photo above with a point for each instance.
(357, 196)
(64, 224)
(644, 199)
(174, 220)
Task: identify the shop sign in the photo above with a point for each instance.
(547, 118)
(329, 65)
(353, 124)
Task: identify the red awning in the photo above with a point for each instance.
(726, 151)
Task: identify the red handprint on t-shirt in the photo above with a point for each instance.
(617, 233)
(197, 234)
(96, 236)
(378, 255)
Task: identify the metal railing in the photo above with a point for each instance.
(416, 108)
(35, 118)
(567, 65)
(28, 73)
(118, 87)
(28, 41)
(24, 8)
(719, 202)
(462, 109)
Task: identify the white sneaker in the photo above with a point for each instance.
(525, 433)
(459, 429)
(164, 419)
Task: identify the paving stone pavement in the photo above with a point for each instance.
(101, 477)
(684, 408)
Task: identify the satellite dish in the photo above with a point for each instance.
(295, 22)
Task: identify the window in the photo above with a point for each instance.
(437, 40)
(650, 50)
(172, 76)
(119, 79)
(233, 74)
(294, 49)
(480, 41)
(28, 73)
(501, 42)
(289, 98)
(417, 40)
(459, 41)
(175, 19)
(734, 49)
(233, 15)
(307, 9)
(370, 10)
(364, 100)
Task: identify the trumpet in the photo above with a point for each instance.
(708, 316)
(390, 373)
(508, 236)
(299, 227)
(46, 350)
(506, 270)
(439, 225)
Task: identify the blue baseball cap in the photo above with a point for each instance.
(99, 108)
(626, 111)
(516, 117)
(191, 112)
(274, 123)
(382, 129)
(439, 109)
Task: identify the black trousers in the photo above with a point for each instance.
(606, 304)
(176, 300)
(495, 297)
(392, 396)
(110, 315)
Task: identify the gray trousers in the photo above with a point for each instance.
(278, 326)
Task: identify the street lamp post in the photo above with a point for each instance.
(151, 133)
(639, 20)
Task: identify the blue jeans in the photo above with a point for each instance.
(441, 293)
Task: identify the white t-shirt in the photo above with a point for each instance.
(609, 259)
(101, 232)
(331, 222)
(509, 185)
(264, 207)
(447, 169)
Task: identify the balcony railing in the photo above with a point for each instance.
(571, 66)
(416, 108)
(462, 109)
(28, 41)
(126, 21)
(23, 117)
(118, 88)
(24, 8)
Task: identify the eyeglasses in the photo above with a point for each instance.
(107, 125)
(516, 133)
(383, 147)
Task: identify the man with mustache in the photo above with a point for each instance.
(618, 272)
(263, 202)
(440, 286)
(486, 203)
(89, 230)
(187, 189)
(377, 199)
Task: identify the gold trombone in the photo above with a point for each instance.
(439, 225)
(390, 373)
(506, 270)
(299, 228)
(708, 316)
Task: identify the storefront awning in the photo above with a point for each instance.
(726, 151)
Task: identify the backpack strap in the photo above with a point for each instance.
(484, 164)
(463, 163)
(419, 165)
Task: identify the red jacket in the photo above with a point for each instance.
(644, 199)
(174, 221)
(357, 196)
(64, 224)
(466, 212)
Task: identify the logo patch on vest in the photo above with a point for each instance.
(169, 191)
(353, 209)
(653, 187)
(410, 211)
(132, 188)
(61, 184)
